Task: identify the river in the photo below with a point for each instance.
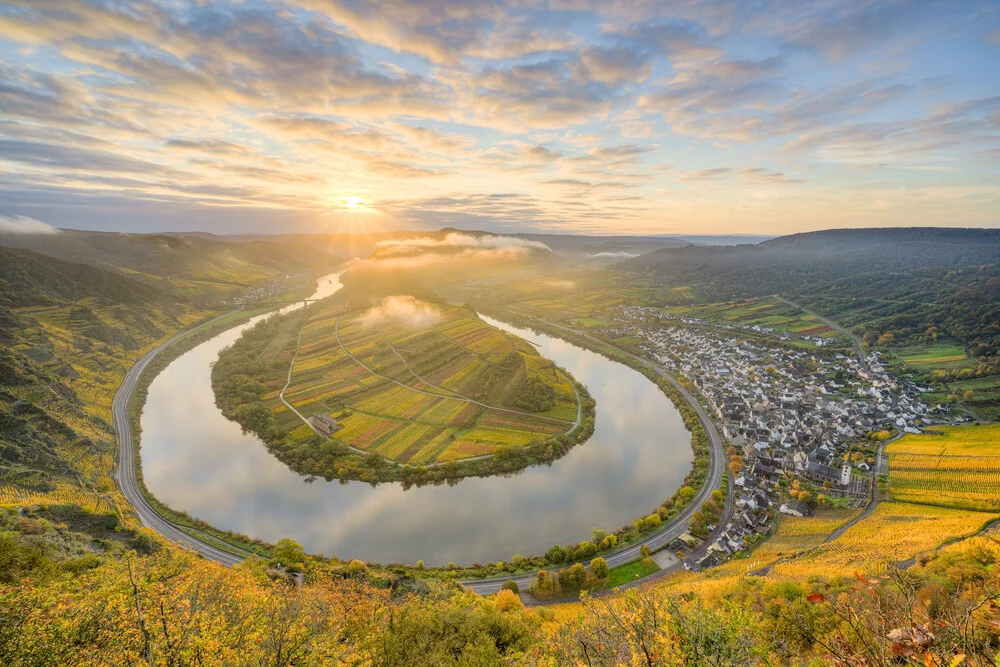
(196, 460)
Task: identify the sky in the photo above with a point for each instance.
(561, 116)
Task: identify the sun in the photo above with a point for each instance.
(354, 203)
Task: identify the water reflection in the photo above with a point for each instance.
(197, 461)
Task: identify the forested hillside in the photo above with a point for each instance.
(910, 283)
(190, 266)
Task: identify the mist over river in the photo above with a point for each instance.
(195, 460)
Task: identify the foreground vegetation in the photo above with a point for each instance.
(169, 608)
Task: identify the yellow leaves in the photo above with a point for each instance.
(194, 611)
(507, 600)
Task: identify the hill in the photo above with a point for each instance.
(187, 266)
(68, 332)
(916, 284)
(34, 279)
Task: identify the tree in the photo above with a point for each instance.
(420, 564)
(507, 600)
(510, 585)
(555, 554)
(645, 551)
(598, 535)
(578, 574)
(542, 581)
(288, 552)
(599, 567)
(968, 395)
(651, 521)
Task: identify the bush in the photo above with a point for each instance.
(599, 568)
(507, 600)
(510, 585)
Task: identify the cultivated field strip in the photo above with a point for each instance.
(421, 396)
(950, 467)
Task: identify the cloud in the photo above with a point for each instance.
(843, 30)
(211, 146)
(614, 66)
(615, 255)
(460, 240)
(67, 157)
(22, 224)
(757, 175)
(456, 251)
(681, 42)
(537, 95)
(484, 114)
(405, 310)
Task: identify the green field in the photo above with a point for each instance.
(941, 355)
(637, 569)
(435, 386)
(765, 311)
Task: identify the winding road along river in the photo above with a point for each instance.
(196, 460)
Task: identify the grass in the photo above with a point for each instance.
(940, 355)
(637, 569)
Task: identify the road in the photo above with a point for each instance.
(129, 484)
(673, 528)
(127, 480)
(833, 325)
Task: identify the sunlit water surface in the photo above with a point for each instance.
(196, 460)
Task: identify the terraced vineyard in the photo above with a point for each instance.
(894, 532)
(442, 387)
(951, 467)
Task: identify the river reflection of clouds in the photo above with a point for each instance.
(196, 460)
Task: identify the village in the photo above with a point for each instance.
(802, 424)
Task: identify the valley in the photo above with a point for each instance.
(580, 441)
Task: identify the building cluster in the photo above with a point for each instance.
(790, 412)
(277, 288)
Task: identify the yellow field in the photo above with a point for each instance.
(951, 467)
(894, 532)
(794, 535)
